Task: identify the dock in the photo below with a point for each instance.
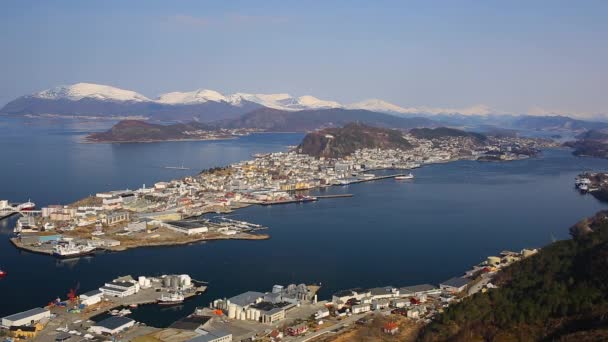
(334, 196)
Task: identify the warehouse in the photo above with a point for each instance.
(188, 227)
(29, 317)
(112, 325)
(119, 289)
(455, 285)
(91, 297)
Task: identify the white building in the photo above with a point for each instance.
(120, 289)
(361, 308)
(91, 297)
(112, 325)
(26, 317)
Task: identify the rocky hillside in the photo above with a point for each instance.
(341, 142)
(559, 294)
(444, 132)
(141, 131)
(592, 143)
(274, 120)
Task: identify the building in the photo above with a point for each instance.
(342, 297)
(112, 325)
(384, 292)
(297, 329)
(29, 317)
(91, 297)
(416, 290)
(213, 336)
(360, 308)
(390, 328)
(379, 304)
(25, 331)
(455, 285)
(119, 289)
(115, 218)
(322, 313)
(187, 227)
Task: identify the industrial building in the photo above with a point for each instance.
(213, 336)
(29, 317)
(119, 288)
(455, 285)
(187, 227)
(112, 325)
(91, 297)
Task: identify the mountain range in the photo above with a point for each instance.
(273, 112)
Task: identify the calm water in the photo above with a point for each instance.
(390, 233)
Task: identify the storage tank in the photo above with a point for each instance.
(175, 283)
(141, 280)
(492, 260)
(148, 282)
(186, 280)
(167, 281)
(528, 252)
(256, 315)
(248, 314)
(231, 311)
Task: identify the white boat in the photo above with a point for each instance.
(29, 205)
(172, 298)
(177, 167)
(405, 177)
(124, 312)
(72, 250)
(25, 224)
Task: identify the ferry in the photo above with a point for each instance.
(171, 299)
(72, 250)
(177, 167)
(27, 206)
(405, 177)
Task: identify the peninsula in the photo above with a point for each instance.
(170, 213)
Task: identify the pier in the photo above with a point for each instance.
(334, 196)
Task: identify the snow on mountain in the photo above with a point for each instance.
(281, 101)
(80, 91)
(377, 105)
(276, 101)
(197, 96)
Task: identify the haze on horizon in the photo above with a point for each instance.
(513, 56)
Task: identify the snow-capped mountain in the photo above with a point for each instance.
(95, 100)
(80, 91)
(275, 101)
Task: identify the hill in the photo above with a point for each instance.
(341, 142)
(444, 132)
(592, 143)
(274, 120)
(557, 123)
(561, 293)
(141, 131)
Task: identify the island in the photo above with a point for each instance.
(142, 131)
(592, 143)
(193, 208)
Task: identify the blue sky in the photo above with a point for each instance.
(514, 56)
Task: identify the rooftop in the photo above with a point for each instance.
(246, 298)
(114, 322)
(25, 314)
(456, 282)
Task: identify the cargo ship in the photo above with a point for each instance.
(173, 298)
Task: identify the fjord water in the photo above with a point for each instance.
(390, 233)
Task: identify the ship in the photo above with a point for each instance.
(182, 167)
(27, 206)
(172, 298)
(71, 250)
(405, 177)
(25, 224)
(2, 273)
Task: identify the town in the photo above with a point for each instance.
(284, 313)
(171, 213)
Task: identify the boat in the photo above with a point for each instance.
(177, 167)
(25, 224)
(2, 273)
(172, 298)
(133, 306)
(124, 312)
(72, 250)
(405, 177)
(27, 206)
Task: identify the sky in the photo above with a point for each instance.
(512, 56)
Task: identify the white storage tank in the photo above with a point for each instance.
(141, 280)
(248, 314)
(231, 311)
(186, 280)
(256, 315)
